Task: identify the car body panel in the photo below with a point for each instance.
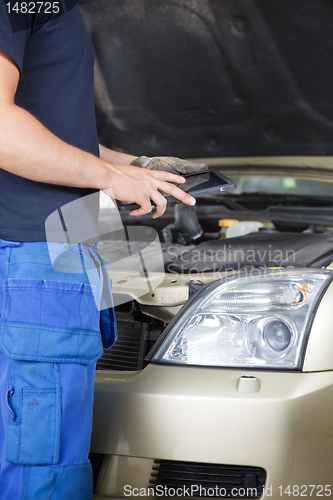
(197, 414)
(319, 350)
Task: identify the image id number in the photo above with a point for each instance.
(34, 7)
(310, 490)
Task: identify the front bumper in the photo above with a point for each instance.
(198, 415)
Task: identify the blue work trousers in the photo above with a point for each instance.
(49, 343)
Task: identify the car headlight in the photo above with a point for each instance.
(260, 321)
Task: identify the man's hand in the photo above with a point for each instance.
(144, 174)
(135, 185)
(169, 164)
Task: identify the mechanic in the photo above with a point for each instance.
(50, 324)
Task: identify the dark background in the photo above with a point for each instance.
(205, 78)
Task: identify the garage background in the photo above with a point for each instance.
(203, 78)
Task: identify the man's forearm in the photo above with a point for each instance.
(30, 150)
(115, 157)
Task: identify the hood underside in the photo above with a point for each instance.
(208, 78)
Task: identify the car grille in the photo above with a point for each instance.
(234, 481)
(128, 352)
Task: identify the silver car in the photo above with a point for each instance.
(221, 381)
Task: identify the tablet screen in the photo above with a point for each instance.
(204, 180)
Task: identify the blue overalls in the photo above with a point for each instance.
(50, 341)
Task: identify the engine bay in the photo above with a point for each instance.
(220, 236)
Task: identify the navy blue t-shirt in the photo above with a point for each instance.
(56, 58)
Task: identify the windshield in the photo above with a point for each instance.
(282, 185)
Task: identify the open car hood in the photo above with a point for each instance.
(209, 78)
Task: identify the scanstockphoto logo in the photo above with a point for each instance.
(76, 245)
(226, 258)
(226, 253)
(34, 14)
(194, 491)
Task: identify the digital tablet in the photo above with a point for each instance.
(197, 184)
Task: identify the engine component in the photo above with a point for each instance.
(186, 227)
(260, 249)
(242, 228)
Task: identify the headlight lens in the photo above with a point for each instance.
(259, 321)
(277, 334)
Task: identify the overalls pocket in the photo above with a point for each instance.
(50, 321)
(34, 413)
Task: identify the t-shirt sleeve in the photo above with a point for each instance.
(12, 41)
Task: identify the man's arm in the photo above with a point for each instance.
(115, 157)
(29, 150)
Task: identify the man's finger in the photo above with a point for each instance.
(160, 204)
(174, 191)
(161, 175)
(145, 206)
